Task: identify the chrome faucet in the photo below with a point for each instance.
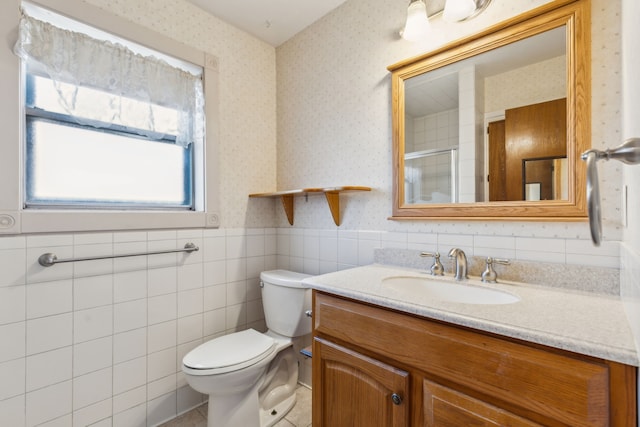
(459, 263)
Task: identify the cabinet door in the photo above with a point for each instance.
(353, 390)
(444, 407)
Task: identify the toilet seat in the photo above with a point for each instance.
(230, 352)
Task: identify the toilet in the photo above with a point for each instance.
(251, 377)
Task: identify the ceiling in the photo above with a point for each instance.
(274, 21)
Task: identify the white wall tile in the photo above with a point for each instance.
(190, 276)
(162, 336)
(215, 273)
(129, 399)
(236, 247)
(236, 316)
(161, 364)
(51, 367)
(161, 409)
(129, 375)
(448, 241)
(93, 323)
(92, 355)
(215, 321)
(328, 248)
(254, 291)
(215, 249)
(190, 328)
(190, 302)
(12, 304)
(214, 297)
(95, 415)
(162, 280)
(132, 417)
(255, 266)
(48, 298)
(236, 269)
(13, 242)
(49, 333)
(255, 245)
(129, 345)
(130, 236)
(13, 339)
(129, 286)
(188, 398)
(162, 308)
(129, 315)
(161, 386)
(93, 291)
(48, 403)
(12, 411)
(348, 251)
(13, 379)
(63, 421)
(236, 293)
(13, 264)
(92, 388)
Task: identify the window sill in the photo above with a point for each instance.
(46, 221)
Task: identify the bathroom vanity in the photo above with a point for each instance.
(383, 357)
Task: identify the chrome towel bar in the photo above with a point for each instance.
(49, 259)
(629, 153)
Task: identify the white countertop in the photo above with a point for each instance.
(586, 323)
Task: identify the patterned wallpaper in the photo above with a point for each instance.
(334, 117)
(331, 90)
(515, 89)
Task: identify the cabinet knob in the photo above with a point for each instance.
(396, 399)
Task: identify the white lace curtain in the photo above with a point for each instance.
(137, 85)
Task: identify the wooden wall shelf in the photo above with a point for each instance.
(331, 193)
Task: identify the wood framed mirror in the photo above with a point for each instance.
(492, 126)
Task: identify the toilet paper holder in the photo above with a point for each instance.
(629, 153)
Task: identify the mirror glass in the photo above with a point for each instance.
(492, 126)
(471, 127)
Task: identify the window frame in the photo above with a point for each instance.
(15, 219)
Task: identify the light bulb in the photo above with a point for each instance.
(458, 10)
(417, 26)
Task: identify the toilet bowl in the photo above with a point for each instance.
(251, 377)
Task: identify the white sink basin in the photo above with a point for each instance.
(448, 291)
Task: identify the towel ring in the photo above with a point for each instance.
(629, 153)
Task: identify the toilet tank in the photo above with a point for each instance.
(285, 301)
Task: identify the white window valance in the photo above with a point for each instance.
(138, 90)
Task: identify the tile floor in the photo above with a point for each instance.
(299, 416)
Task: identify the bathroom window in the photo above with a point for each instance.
(108, 124)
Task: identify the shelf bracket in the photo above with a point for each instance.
(287, 203)
(332, 195)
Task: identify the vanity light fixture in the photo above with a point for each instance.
(417, 26)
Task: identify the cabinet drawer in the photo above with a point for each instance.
(526, 379)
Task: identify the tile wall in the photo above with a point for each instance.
(100, 342)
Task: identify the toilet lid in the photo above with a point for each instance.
(240, 348)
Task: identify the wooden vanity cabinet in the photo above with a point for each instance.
(378, 367)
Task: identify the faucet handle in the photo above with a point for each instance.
(437, 268)
(489, 275)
